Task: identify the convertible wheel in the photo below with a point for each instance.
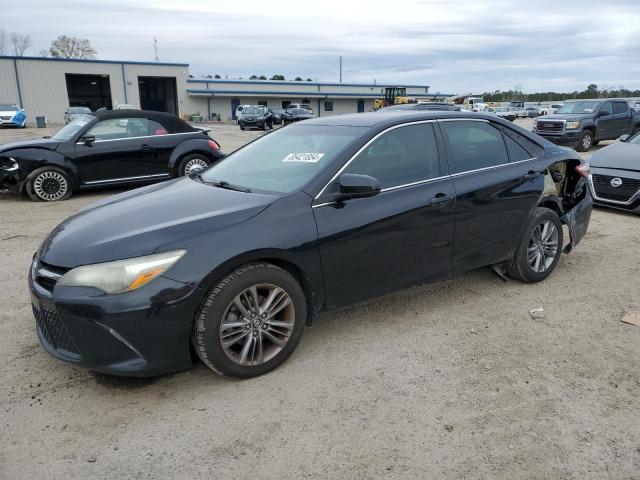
(540, 247)
(191, 162)
(251, 321)
(48, 184)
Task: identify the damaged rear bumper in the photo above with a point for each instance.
(577, 220)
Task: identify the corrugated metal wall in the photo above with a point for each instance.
(8, 85)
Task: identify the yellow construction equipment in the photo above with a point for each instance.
(393, 96)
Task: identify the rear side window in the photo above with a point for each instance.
(516, 151)
(474, 145)
(401, 156)
(619, 107)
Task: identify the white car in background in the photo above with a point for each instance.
(239, 110)
(12, 115)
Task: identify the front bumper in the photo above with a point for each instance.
(141, 333)
(567, 137)
(10, 180)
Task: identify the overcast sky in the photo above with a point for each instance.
(454, 46)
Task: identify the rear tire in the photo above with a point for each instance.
(585, 141)
(191, 161)
(48, 184)
(539, 247)
(257, 340)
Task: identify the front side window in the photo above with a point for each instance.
(474, 145)
(607, 107)
(119, 128)
(284, 160)
(401, 156)
(72, 128)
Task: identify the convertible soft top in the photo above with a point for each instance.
(171, 122)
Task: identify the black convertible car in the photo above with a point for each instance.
(615, 175)
(104, 149)
(234, 262)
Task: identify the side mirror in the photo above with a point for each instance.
(624, 138)
(357, 186)
(88, 140)
(602, 113)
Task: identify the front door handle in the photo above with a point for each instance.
(532, 175)
(147, 148)
(441, 199)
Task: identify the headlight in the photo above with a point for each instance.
(122, 275)
(572, 125)
(10, 164)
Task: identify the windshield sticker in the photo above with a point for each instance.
(303, 157)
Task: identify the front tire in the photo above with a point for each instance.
(48, 184)
(194, 160)
(540, 246)
(585, 141)
(251, 321)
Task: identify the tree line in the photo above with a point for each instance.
(62, 47)
(592, 91)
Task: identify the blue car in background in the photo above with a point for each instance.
(12, 115)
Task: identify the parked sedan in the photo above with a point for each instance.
(236, 261)
(118, 147)
(256, 117)
(74, 112)
(12, 115)
(615, 175)
(292, 115)
(277, 116)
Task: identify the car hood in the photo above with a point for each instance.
(47, 143)
(140, 221)
(620, 155)
(251, 116)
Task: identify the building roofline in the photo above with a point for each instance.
(257, 93)
(288, 82)
(113, 62)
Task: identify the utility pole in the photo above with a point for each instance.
(155, 48)
(340, 68)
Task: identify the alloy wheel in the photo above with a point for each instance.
(257, 324)
(195, 162)
(543, 246)
(50, 186)
(586, 142)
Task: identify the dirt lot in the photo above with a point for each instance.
(451, 380)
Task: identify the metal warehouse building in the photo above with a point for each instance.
(47, 87)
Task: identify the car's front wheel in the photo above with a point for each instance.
(193, 162)
(48, 184)
(251, 321)
(540, 246)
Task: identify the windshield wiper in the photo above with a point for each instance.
(224, 184)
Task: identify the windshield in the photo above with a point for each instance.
(79, 110)
(72, 128)
(253, 110)
(5, 107)
(285, 160)
(578, 107)
(635, 139)
(299, 111)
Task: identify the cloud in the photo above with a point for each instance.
(454, 46)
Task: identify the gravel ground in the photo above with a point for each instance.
(449, 380)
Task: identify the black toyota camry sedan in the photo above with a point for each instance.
(100, 149)
(234, 262)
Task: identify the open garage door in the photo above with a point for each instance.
(93, 91)
(158, 94)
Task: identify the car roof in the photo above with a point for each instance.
(171, 122)
(372, 119)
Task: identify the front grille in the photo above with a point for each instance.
(53, 330)
(606, 191)
(549, 126)
(47, 275)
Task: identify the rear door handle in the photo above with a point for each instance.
(532, 175)
(441, 199)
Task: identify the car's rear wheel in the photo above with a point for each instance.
(585, 141)
(251, 321)
(192, 162)
(48, 184)
(540, 246)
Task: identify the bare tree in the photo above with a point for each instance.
(72, 47)
(20, 43)
(3, 41)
